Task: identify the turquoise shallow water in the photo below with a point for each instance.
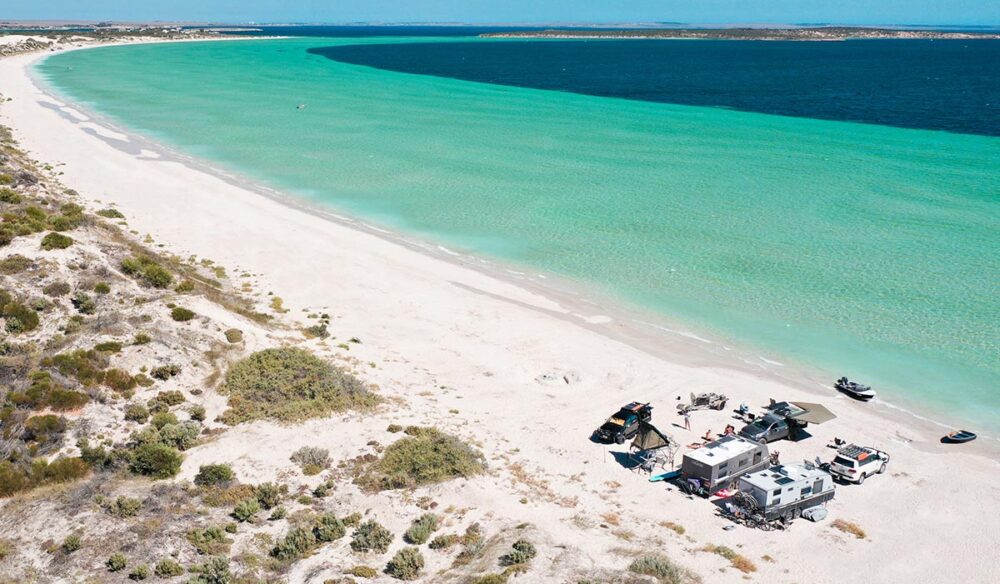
(866, 250)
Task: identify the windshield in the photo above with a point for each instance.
(758, 426)
(844, 461)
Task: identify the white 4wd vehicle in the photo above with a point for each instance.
(855, 463)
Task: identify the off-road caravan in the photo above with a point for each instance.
(784, 491)
(718, 464)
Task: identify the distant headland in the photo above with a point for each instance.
(825, 33)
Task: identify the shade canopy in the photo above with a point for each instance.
(812, 413)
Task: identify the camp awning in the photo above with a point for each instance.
(813, 413)
(649, 438)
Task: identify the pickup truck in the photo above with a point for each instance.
(624, 424)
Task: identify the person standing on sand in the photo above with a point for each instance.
(687, 421)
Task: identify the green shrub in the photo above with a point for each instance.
(44, 429)
(14, 264)
(185, 286)
(501, 579)
(56, 241)
(662, 568)
(269, 495)
(18, 317)
(181, 314)
(140, 572)
(156, 460)
(165, 372)
(24, 477)
(84, 304)
(167, 568)
(171, 398)
(8, 195)
(214, 571)
(209, 541)
(119, 380)
(108, 347)
(136, 413)
(363, 572)
(371, 537)
(522, 553)
(161, 419)
(234, 335)
(116, 562)
(278, 513)
(110, 214)
(197, 412)
(296, 542)
(56, 289)
(87, 367)
(141, 339)
(245, 510)
(329, 528)
(443, 542)
(102, 288)
(426, 456)
(311, 459)
(148, 270)
(122, 506)
(214, 474)
(422, 528)
(406, 564)
(72, 543)
(290, 384)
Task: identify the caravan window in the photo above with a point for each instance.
(743, 462)
(777, 492)
(723, 469)
(806, 491)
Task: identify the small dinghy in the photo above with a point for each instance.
(959, 436)
(855, 389)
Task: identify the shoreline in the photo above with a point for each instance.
(655, 333)
(486, 357)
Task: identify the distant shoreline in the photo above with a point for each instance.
(746, 34)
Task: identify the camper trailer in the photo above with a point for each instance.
(784, 491)
(718, 464)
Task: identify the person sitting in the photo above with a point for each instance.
(730, 430)
(707, 436)
(743, 409)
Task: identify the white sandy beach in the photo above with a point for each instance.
(464, 350)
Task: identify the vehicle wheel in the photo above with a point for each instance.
(861, 479)
(796, 513)
(619, 439)
(881, 469)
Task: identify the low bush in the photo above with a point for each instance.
(523, 552)
(116, 562)
(167, 568)
(197, 412)
(84, 304)
(663, 569)
(269, 495)
(140, 572)
(110, 214)
(87, 367)
(499, 579)
(102, 288)
(278, 513)
(56, 241)
(234, 335)
(363, 572)
(214, 474)
(740, 562)
(147, 270)
(406, 564)
(16, 477)
(142, 338)
(328, 528)
(426, 456)
(290, 384)
(57, 289)
(18, 318)
(849, 527)
(119, 380)
(14, 264)
(181, 314)
(370, 536)
(312, 460)
(294, 545)
(108, 347)
(171, 398)
(72, 543)
(161, 419)
(245, 510)
(136, 413)
(209, 541)
(443, 542)
(165, 372)
(422, 528)
(185, 286)
(122, 506)
(214, 571)
(158, 461)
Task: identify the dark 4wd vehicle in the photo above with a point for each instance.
(624, 424)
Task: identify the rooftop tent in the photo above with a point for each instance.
(812, 413)
(650, 438)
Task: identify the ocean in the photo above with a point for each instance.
(656, 174)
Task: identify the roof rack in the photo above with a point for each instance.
(853, 451)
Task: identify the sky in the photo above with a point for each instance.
(972, 12)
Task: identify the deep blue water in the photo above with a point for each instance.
(358, 31)
(949, 85)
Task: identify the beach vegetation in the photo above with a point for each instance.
(110, 214)
(56, 289)
(214, 571)
(142, 338)
(165, 372)
(328, 528)
(140, 572)
(245, 510)
(849, 528)
(72, 543)
(209, 541)
(14, 264)
(311, 460)
(270, 494)
(425, 456)
(522, 552)
(181, 314)
(422, 528)
(443, 542)
(234, 335)
(147, 270)
(121, 506)
(83, 303)
(10, 196)
(296, 543)
(663, 569)
(370, 536)
(184, 287)
(168, 568)
(25, 475)
(116, 562)
(108, 347)
(290, 384)
(156, 460)
(102, 288)
(18, 318)
(197, 412)
(738, 561)
(56, 240)
(171, 397)
(362, 572)
(406, 564)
